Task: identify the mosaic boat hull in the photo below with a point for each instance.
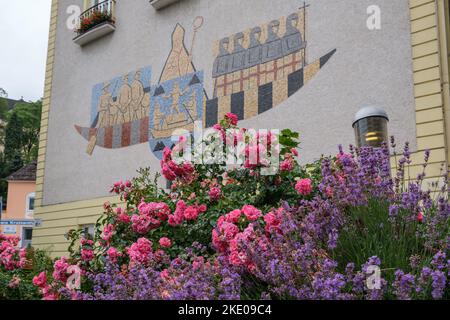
(137, 132)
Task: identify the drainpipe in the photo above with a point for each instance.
(443, 54)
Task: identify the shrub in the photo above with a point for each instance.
(320, 231)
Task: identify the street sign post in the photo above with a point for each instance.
(24, 223)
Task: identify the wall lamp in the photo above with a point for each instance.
(371, 127)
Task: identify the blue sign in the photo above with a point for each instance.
(18, 223)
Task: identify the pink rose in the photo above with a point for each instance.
(232, 118)
(165, 275)
(329, 192)
(215, 194)
(272, 222)
(165, 242)
(420, 217)
(168, 173)
(191, 213)
(14, 283)
(143, 223)
(60, 269)
(167, 154)
(233, 216)
(124, 218)
(238, 258)
(251, 212)
(174, 221)
(40, 280)
(287, 165)
(141, 251)
(87, 255)
(230, 230)
(107, 233)
(113, 254)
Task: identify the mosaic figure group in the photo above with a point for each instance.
(132, 103)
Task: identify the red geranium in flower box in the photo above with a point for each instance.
(94, 19)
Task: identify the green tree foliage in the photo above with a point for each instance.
(3, 113)
(13, 137)
(3, 109)
(12, 158)
(19, 134)
(29, 115)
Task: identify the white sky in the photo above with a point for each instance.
(24, 28)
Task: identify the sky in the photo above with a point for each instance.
(24, 28)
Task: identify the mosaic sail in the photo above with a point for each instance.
(253, 72)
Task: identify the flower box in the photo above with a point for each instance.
(95, 33)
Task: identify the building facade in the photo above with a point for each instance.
(134, 71)
(18, 218)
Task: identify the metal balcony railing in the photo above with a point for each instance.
(97, 15)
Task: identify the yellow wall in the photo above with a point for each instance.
(430, 73)
(17, 194)
(57, 219)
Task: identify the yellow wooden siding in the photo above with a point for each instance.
(46, 100)
(430, 119)
(429, 102)
(426, 62)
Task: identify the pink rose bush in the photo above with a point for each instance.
(10, 257)
(237, 232)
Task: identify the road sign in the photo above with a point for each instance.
(10, 229)
(32, 223)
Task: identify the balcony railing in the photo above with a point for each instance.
(96, 22)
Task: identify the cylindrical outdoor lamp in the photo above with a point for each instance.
(371, 127)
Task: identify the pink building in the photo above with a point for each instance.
(18, 219)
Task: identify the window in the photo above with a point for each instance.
(27, 236)
(30, 204)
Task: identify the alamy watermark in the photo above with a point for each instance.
(234, 147)
(374, 20)
(373, 281)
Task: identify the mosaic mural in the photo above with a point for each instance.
(253, 71)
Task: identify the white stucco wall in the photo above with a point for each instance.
(369, 67)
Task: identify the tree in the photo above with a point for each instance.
(30, 117)
(3, 109)
(13, 138)
(21, 139)
(3, 112)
